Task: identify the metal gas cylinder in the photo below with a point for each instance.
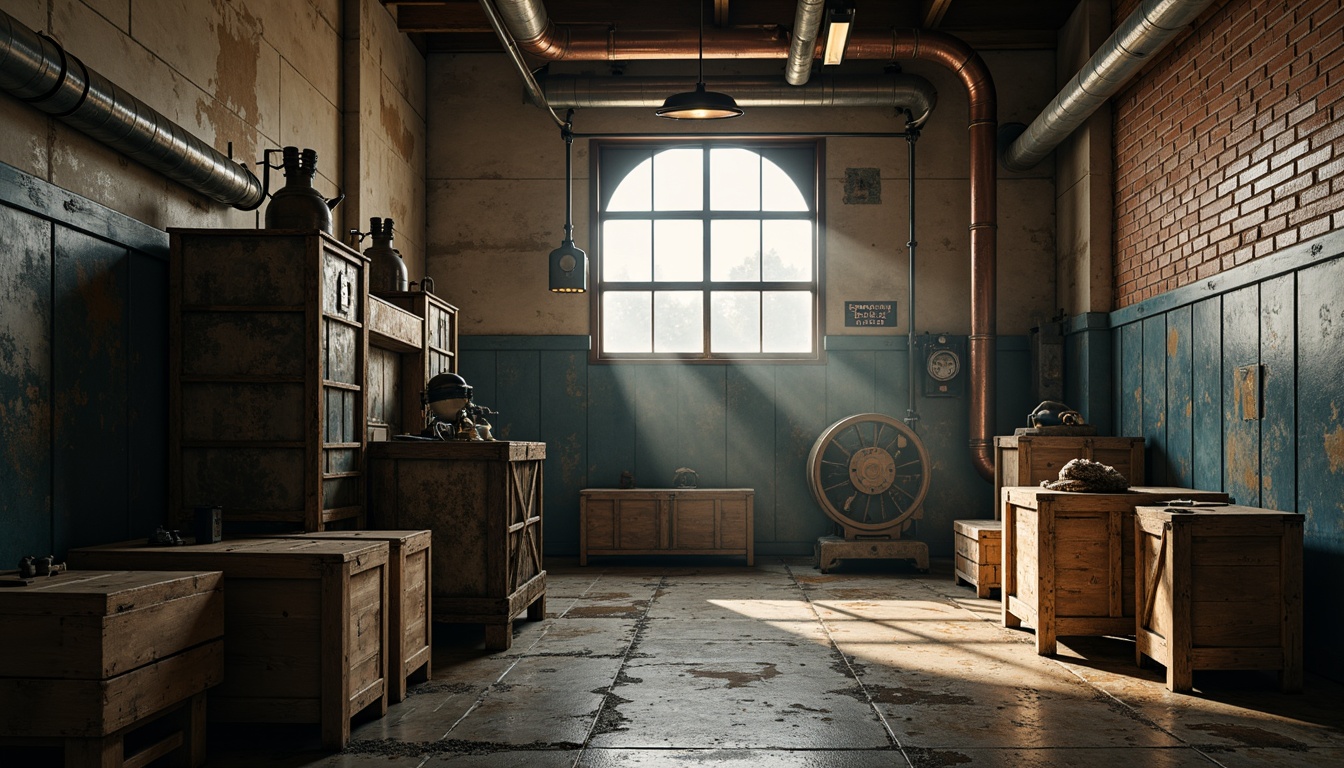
(387, 270)
(297, 205)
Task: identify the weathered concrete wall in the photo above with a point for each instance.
(495, 176)
(258, 73)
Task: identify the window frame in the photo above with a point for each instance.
(707, 286)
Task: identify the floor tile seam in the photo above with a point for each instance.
(835, 648)
(620, 669)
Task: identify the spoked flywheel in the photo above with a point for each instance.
(869, 473)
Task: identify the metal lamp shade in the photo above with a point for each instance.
(699, 104)
(569, 269)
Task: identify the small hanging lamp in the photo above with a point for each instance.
(569, 264)
(699, 104)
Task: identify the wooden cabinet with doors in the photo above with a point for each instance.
(666, 521)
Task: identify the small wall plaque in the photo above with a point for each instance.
(870, 314)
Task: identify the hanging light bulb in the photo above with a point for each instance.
(569, 264)
(699, 104)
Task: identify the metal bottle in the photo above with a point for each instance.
(297, 205)
(387, 270)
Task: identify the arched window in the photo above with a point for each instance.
(707, 250)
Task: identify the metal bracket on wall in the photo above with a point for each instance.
(1249, 385)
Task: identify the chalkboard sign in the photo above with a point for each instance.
(870, 314)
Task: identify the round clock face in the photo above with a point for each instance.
(944, 364)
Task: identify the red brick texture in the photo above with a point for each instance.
(1230, 145)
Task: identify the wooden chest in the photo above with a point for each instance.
(409, 621)
(1219, 588)
(666, 521)
(266, 360)
(1028, 459)
(305, 622)
(88, 658)
(483, 503)
(1068, 559)
(978, 552)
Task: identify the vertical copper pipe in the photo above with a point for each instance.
(543, 38)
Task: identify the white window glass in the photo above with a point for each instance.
(735, 321)
(779, 193)
(678, 321)
(786, 250)
(627, 251)
(627, 321)
(734, 180)
(635, 192)
(735, 250)
(678, 180)
(678, 251)
(787, 319)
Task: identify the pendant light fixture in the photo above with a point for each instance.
(699, 104)
(569, 264)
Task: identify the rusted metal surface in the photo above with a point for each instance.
(1154, 385)
(1179, 405)
(1207, 393)
(1278, 426)
(1240, 438)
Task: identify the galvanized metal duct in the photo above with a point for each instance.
(528, 23)
(803, 47)
(37, 70)
(1145, 32)
(903, 91)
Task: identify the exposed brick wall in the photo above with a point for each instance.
(1230, 146)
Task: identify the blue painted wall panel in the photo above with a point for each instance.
(1207, 379)
(801, 416)
(1278, 460)
(1153, 386)
(750, 421)
(851, 384)
(1129, 387)
(564, 428)
(1241, 436)
(611, 424)
(518, 385)
(1179, 403)
(25, 386)
(702, 426)
(1320, 401)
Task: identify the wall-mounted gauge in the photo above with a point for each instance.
(944, 362)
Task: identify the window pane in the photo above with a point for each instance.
(678, 322)
(635, 191)
(734, 180)
(627, 250)
(678, 180)
(780, 193)
(627, 321)
(735, 321)
(787, 246)
(787, 318)
(678, 251)
(735, 250)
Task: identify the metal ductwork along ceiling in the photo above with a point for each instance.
(1145, 32)
(911, 93)
(536, 35)
(37, 70)
(803, 47)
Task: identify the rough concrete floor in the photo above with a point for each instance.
(780, 665)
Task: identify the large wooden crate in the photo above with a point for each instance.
(267, 358)
(1219, 588)
(88, 658)
(978, 554)
(410, 646)
(1068, 559)
(436, 353)
(666, 521)
(483, 503)
(1029, 459)
(305, 624)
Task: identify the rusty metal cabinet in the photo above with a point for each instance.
(482, 501)
(267, 357)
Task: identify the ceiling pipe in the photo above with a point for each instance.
(803, 46)
(1145, 32)
(909, 93)
(35, 69)
(529, 24)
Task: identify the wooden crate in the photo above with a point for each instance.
(483, 503)
(1029, 459)
(305, 621)
(978, 548)
(88, 658)
(1068, 559)
(436, 353)
(266, 359)
(409, 620)
(666, 521)
(1219, 588)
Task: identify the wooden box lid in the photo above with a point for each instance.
(259, 558)
(1030, 495)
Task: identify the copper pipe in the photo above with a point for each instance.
(536, 34)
